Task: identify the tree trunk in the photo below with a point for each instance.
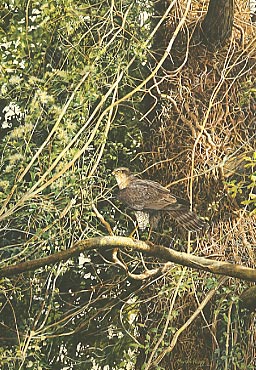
(218, 22)
(248, 298)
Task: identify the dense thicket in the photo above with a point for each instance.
(86, 86)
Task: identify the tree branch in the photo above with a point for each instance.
(166, 254)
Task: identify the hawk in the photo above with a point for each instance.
(147, 198)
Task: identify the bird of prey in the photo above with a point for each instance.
(148, 198)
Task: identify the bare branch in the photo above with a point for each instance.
(161, 252)
(200, 308)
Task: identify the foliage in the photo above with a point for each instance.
(66, 66)
(242, 187)
(75, 77)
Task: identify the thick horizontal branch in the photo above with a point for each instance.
(166, 254)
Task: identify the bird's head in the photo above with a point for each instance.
(122, 175)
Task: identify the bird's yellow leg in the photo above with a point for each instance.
(134, 231)
(149, 233)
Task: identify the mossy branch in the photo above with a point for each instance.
(161, 252)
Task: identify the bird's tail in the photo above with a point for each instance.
(189, 220)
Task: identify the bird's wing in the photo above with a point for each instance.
(149, 195)
(189, 220)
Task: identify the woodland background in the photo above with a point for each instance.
(87, 86)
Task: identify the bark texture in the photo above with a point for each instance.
(218, 22)
(248, 298)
